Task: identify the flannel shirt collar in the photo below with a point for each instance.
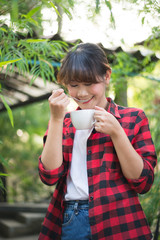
(113, 108)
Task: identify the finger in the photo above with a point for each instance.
(97, 118)
(66, 102)
(63, 98)
(98, 115)
(57, 92)
(97, 126)
(99, 108)
(57, 97)
(60, 103)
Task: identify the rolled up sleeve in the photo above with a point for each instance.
(50, 177)
(145, 181)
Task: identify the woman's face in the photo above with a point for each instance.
(92, 94)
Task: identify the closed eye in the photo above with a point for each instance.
(76, 85)
(73, 85)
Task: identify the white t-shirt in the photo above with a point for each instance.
(77, 180)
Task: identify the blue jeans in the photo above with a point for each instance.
(76, 221)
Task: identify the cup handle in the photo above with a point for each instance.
(94, 121)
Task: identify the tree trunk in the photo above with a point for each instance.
(59, 19)
(121, 94)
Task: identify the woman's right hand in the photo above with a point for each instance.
(58, 102)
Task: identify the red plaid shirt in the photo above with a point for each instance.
(114, 208)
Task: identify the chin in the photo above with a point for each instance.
(86, 107)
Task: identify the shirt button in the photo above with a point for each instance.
(91, 198)
(89, 174)
(89, 151)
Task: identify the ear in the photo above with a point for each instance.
(108, 76)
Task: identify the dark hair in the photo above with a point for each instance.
(86, 62)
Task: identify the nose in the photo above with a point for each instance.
(82, 92)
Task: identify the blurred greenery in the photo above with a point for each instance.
(21, 147)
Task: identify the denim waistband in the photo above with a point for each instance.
(76, 203)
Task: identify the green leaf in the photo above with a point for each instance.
(36, 40)
(52, 5)
(34, 22)
(24, 15)
(112, 20)
(97, 6)
(71, 3)
(8, 110)
(3, 29)
(3, 174)
(108, 4)
(67, 12)
(1, 184)
(3, 161)
(32, 12)
(122, 41)
(14, 10)
(143, 20)
(45, 61)
(10, 61)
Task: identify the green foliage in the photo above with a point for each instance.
(2, 97)
(27, 14)
(149, 9)
(112, 20)
(14, 46)
(153, 42)
(125, 65)
(9, 62)
(8, 109)
(43, 51)
(145, 7)
(30, 125)
(17, 51)
(95, 6)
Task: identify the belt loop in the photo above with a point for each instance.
(76, 207)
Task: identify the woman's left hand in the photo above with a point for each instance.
(105, 122)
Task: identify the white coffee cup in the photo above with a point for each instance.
(83, 119)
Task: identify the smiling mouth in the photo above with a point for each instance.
(81, 100)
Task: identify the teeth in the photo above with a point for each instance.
(79, 100)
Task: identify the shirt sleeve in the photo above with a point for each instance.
(49, 177)
(143, 144)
